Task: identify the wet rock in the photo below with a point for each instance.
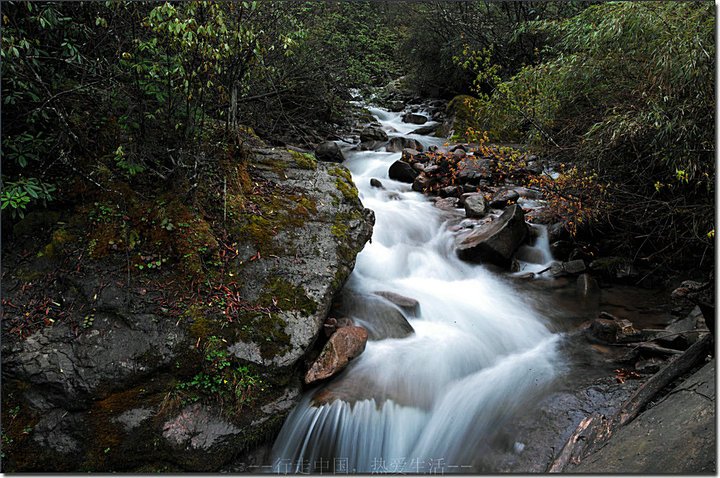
(610, 329)
(133, 418)
(420, 183)
(380, 317)
(459, 154)
(504, 199)
(332, 324)
(446, 203)
(558, 269)
(676, 435)
(408, 305)
(496, 241)
(410, 155)
(125, 346)
(371, 145)
(344, 345)
(535, 167)
(425, 130)
(372, 133)
(414, 118)
(60, 431)
(376, 183)
(418, 167)
(476, 205)
(329, 151)
(197, 427)
(398, 143)
(449, 191)
(402, 171)
(431, 169)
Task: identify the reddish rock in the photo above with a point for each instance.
(344, 345)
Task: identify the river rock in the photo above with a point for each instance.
(449, 191)
(411, 155)
(379, 316)
(421, 183)
(496, 241)
(408, 305)
(329, 151)
(476, 205)
(344, 345)
(414, 118)
(98, 370)
(502, 200)
(446, 204)
(402, 171)
(535, 167)
(676, 435)
(399, 143)
(376, 183)
(371, 145)
(332, 324)
(459, 154)
(611, 330)
(372, 133)
(558, 269)
(425, 130)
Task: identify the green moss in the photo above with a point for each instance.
(345, 184)
(340, 229)
(304, 160)
(280, 293)
(278, 213)
(467, 111)
(58, 239)
(277, 165)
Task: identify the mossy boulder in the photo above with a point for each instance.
(463, 112)
(130, 365)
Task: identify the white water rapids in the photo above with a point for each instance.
(432, 401)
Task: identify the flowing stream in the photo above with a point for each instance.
(434, 400)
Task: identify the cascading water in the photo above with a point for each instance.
(431, 401)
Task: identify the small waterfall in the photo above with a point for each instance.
(479, 351)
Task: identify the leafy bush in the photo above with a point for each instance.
(627, 92)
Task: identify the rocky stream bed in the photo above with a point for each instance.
(102, 382)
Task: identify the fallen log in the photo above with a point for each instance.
(594, 430)
(680, 365)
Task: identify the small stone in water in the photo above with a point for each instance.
(519, 447)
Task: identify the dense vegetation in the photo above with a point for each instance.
(98, 94)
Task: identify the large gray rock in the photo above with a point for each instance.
(399, 143)
(496, 241)
(402, 171)
(476, 205)
(426, 130)
(373, 133)
(329, 151)
(414, 118)
(111, 369)
(383, 316)
(676, 435)
(407, 304)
